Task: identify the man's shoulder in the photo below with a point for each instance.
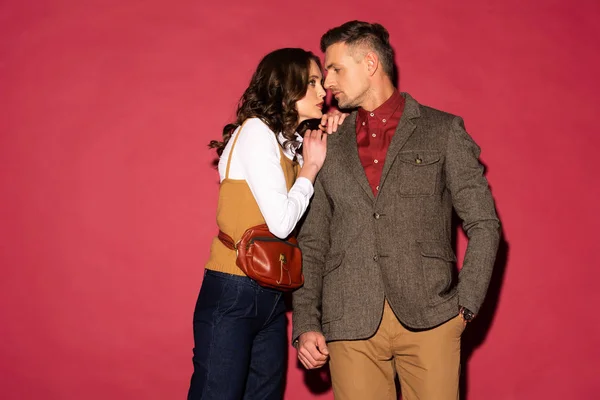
(428, 112)
(345, 131)
(434, 113)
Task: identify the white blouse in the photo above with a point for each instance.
(257, 160)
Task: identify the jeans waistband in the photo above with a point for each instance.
(239, 279)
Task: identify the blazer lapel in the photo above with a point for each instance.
(403, 132)
(349, 151)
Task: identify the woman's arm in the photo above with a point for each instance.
(258, 154)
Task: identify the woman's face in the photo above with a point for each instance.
(311, 105)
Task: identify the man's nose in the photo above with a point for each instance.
(328, 82)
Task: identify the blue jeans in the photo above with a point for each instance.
(240, 340)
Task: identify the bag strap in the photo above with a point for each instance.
(223, 237)
(227, 240)
(231, 151)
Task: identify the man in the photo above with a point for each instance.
(379, 296)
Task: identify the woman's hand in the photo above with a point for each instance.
(331, 120)
(314, 149)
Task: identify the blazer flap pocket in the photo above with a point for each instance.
(419, 158)
(437, 249)
(332, 262)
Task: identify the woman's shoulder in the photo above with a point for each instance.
(256, 124)
(255, 130)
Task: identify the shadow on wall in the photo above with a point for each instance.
(476, 333)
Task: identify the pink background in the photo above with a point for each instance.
(108, 196)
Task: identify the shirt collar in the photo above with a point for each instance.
(384, 111)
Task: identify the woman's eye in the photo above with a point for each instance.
(312, 82)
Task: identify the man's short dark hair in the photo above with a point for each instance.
(374, 36)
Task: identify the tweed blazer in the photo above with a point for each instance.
(360, 249)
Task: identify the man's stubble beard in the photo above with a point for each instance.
(348, 104)
(353, 103)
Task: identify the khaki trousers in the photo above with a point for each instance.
(427, 362)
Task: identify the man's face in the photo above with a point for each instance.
(347, 75)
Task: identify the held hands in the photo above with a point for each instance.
(312, 350)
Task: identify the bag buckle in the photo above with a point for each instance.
(282, 262)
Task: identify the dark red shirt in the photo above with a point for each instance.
(374, 132)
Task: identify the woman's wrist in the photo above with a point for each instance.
(309, 171)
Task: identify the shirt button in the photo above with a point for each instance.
(375, 257)
(372, 115)
(376, 215)
(374, 135)
(363, 124)
(375, 161)
(383, 120)
(377, 188)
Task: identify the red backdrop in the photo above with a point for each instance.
(108, 196)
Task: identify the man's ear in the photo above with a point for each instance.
(372, 61)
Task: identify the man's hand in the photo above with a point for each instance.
(312, 350)
(331, 121)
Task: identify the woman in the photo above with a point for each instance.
(240, 327)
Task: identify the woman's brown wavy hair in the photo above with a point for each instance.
(280, 80)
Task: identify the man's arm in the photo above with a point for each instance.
(306, 317)
(314, 242)
(473, 202)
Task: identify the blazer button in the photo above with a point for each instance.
(376, 215)
(375, 257)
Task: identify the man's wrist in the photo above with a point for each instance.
(302, 330)
(466, 314)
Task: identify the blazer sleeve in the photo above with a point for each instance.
(473, 202)
(314, 242)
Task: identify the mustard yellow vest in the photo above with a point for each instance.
(237, 211)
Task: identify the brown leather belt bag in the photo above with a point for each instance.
(268, 260)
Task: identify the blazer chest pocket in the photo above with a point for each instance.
(418, 172)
